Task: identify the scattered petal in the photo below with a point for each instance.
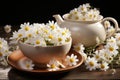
(53, 65)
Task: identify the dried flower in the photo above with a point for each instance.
(113, 71)
(7, 28)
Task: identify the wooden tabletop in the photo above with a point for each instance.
(77, 73)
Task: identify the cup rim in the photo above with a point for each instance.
(70, 42)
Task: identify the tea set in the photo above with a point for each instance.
(89, 33)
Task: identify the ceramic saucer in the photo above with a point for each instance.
(17, 55)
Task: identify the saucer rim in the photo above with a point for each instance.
(46, 71)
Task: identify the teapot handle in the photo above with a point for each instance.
(115, 23)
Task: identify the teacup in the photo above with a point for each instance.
(42, 55)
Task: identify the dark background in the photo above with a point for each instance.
(17, 12)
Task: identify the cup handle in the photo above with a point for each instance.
(115, 23)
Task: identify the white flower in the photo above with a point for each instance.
(117, 36)
(84, 56)
(103, 53)
(83, 18)
(111, 46)
(112, 49)
(91, 63)
(53, 65)
(38, 41)
(90, 15)
(83, 8)
(39, 28)
(105, 56)
(107, 24)
(97, 55)
(30, 34)
(93, 14)
(79, 48)
(84, 13)
(27, 64)
(52, 25)
(3, 43)
(4, 48)
(18, 35)
(49, 34)
(111, 41)
(104, 66)
(110, 30)
(64, 32)
(96, 14)
(74, 15)
(74, 11)
(7, 28)
(2, 54)
(25, 26)
(71, 60)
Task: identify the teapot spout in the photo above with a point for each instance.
(58, 18)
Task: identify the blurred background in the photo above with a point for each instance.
(18, 12)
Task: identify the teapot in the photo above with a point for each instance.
(89, 33)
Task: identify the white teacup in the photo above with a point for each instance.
(42, 55)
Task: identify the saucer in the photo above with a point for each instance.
(17, 55)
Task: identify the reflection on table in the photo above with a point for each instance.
(19, 75)
(78, 73)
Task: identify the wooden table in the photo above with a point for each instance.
(78, 73)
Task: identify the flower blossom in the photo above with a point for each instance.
(71, 60)
(26, 64)
(91, 63)
(53, 65)
(49, 34)
(84, 13)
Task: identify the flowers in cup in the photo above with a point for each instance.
(36, 34)
(84, 12)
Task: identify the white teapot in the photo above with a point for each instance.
(86, 32)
